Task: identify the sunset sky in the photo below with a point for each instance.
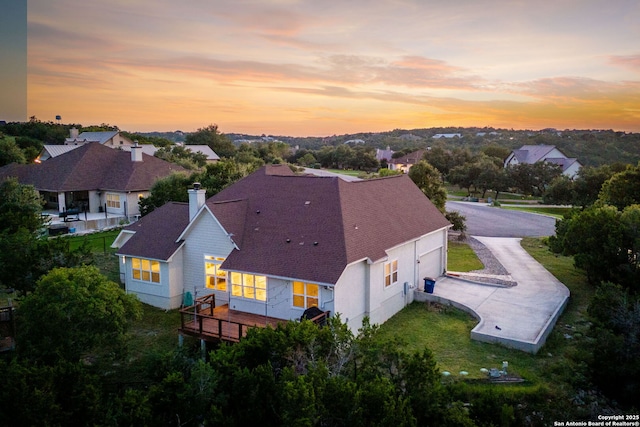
(311, 67)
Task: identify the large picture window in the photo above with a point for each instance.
(249, 286)
(305, 295)
(216, 278)
(390, 273)
(113, 200)
(145, 270)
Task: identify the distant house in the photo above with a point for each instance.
(543, 153)
(405, 162)
(94, 177)
(447, 135)
(384, 154)
(108, 138)
(211, 155)
(275, 244)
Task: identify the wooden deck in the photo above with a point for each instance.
(205, 321)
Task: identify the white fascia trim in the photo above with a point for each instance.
(116, 244)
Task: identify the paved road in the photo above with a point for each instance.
(483, 220)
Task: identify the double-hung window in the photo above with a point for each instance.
(145, 270)
(249, 286)
(390, 273)
(216, 278)
(305, 295)
(113, 200)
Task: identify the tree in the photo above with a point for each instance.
(212, 137)
(560, 192)
(622, 189)
(171, 188)
(74, 312)
(427, 178)
(588, 183)
(10, 152)
(20, 207)
(604, 242)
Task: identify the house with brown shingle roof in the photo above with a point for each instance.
(405, 162)
(544, 153)
(275, 244)
(94, 177)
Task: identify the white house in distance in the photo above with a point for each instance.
(543, 153)
(275, 244)
(405, 162)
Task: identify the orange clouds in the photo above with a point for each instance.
(315, 68)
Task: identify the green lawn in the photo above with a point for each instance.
(345, 172)
(462, 258)
(551, 211)
(446, 331)
(98, 242)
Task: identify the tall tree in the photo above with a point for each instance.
(623, 188)
(427, 178)
(212, 137)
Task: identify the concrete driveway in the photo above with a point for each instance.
(520, 316)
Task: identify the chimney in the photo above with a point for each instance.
(73, 133)
(136, 152)
(196, 200)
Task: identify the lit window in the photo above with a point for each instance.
(390, 273)
(145, 270)
(113, 201)
(305, 295)
(249, 286)
(216, 278)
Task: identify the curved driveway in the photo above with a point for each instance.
(484, 220)
(521, 316)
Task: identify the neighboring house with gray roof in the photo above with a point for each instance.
(543, 153)
(405, 162)
(111, 139)
(94, 177)
(275, 244)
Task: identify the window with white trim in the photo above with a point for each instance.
(305, 295)
(215, 277)
(113, 200)
(249, 286)
(145, 270)
(390, 272)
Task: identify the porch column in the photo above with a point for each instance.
(61, 202)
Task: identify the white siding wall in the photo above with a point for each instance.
(161, 294)
(361, 290)
(206, 237)
(350, 295)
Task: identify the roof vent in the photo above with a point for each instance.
(288, 240)
(315, 243)
(307, 203)
(258, 211)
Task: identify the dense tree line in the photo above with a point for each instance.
(604, 239)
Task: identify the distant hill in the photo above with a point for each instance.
(590, 147)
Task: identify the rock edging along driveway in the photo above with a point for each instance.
(520, 316)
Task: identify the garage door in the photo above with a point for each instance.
(431, 264)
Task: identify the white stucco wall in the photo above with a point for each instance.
(351, 295)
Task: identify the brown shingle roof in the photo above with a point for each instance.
(311, 228)
(153, 242)
(302, 227)
(411, 158)
(93, 167)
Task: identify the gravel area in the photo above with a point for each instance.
(492, 273)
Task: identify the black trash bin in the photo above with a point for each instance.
(429, 285)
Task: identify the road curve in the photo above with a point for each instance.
(484, 220)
